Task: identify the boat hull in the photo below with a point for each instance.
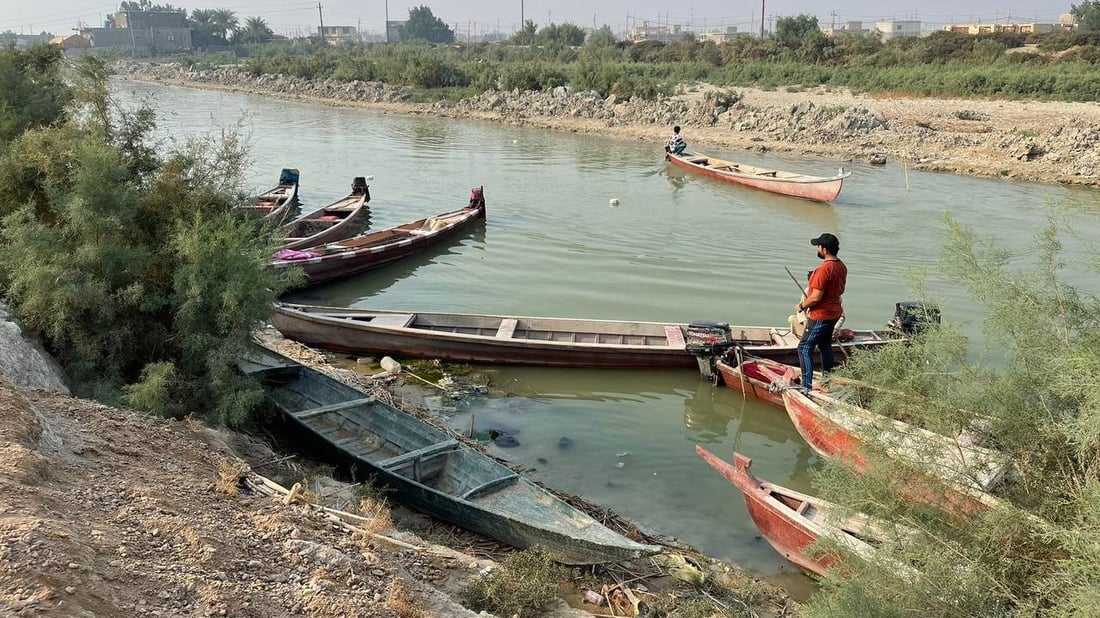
(347, 227)
(353, 261)
(346, 330)
(817, 189)
(427, 469)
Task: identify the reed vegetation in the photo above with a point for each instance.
(1055, 66)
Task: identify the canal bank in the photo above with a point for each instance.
(1035, 141)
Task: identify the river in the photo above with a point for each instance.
(676, 248)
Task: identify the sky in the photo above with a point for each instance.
(294, 17)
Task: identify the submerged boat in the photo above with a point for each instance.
(791, 522)
(816, 188)
(429, 470)
(373, 249)
(337, 221)
(947, 471)
(548, 342)
(278, 204)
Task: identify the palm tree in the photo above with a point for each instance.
(202, 28)
(225, 24)
(255, 31)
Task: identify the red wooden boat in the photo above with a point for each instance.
(337, 221)
(816, 188)
(792, 521)
(374, 249)
(945, 471)
(762, 378)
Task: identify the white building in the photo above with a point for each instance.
(897, 29)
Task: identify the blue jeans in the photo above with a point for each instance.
(818, 334)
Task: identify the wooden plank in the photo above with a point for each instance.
(487, 486)
(343, 405)
(507, 328)
(431, 449)
(675, 337)
(399, 320)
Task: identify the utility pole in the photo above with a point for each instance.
(387, 21)
(522, 20)
(762, 19)
(833, 27)
(322, 17)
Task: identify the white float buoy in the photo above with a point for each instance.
(391, 366)
(613, 202)
(515, 141)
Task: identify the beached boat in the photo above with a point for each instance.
(947, 471)
(373, 249)
(276, 205)
(429, 470)
(339, 220)
(791, 521)
(548, 342)
(816, 188)
(762, 378)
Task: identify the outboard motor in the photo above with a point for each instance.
(707, 342)
(359, 187)
(289, 176)
(911, 317)
(477, 196)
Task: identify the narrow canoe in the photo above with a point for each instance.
(339, 220)
(546, 342)
(762, 378)
(276, 205)
(945, 471)
(816, 188)
(373, 249)
(791, 522)
(430, 471)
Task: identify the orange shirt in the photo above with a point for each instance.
(830, 277)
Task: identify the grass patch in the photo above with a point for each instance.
(522, 585)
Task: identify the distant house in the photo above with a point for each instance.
(393, 30)
(664, 34)
(146, 33)
(72, 41)
(848, 27)
(897, 29)
(335, 35)
(1031, 28)
(722, 36)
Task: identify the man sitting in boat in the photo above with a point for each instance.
(675, 144)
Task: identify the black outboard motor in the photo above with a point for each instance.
(911, 317)
(359, 187)
(707, 342)
(477, 196)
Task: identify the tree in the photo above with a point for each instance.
(564, 35)
(255, 31)
(203, 28)
(32, 93)
(526, 34)
(422, 25)
(1037, 404)
(792, 30)
(127, 257)
(225, 25)
(1087, 14)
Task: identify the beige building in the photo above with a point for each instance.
(72, 41)
(896, 29)
(335, 35)
(1034, 28)
(721, 36)
(664, 34)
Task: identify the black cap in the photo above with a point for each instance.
(828, 241)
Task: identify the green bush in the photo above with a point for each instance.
(522, 585)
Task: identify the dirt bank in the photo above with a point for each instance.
(1025, 140)
(110, 512)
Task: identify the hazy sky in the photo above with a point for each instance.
(297, 16)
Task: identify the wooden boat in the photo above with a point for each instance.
(430, 471)
(337, 221)
(947, 471)
(278, 204)
(547, 342)
(762, 378)
(791, 521)
(816, 188)
(373, 249)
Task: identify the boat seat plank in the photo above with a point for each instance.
(343, 405)
(675, 337)
(507, 328)
(399, 320)
(490, 486)
(431, 449)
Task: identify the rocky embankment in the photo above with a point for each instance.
(1025, 140)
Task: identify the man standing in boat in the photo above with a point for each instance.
(675, 144)
(823, 308)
